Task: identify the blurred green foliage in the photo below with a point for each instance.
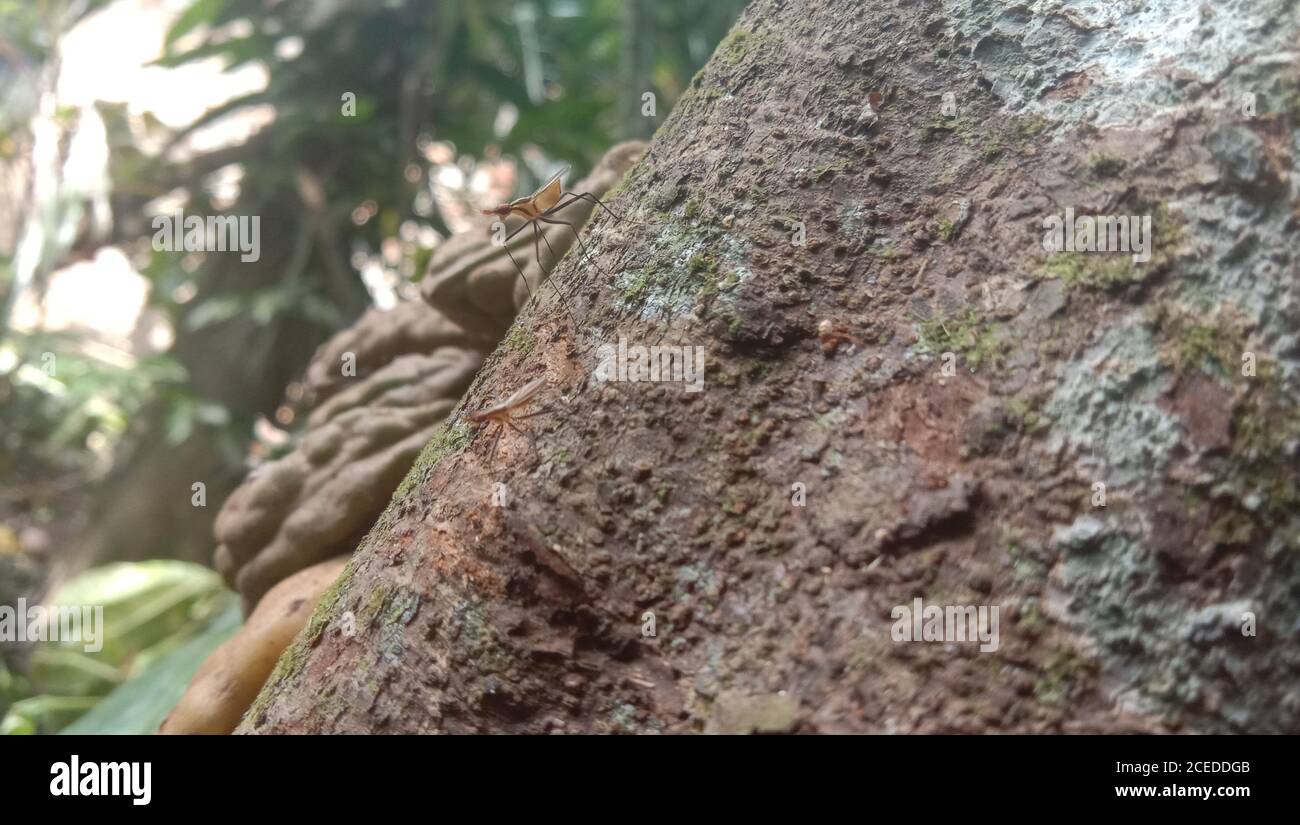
(149, 610)
(140, 704)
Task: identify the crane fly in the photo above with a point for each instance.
(503, 414)
(541, 207)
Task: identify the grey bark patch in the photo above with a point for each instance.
(1084, 533)
(738, 714)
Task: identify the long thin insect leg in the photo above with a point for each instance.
(537, 232)
(532, 442)
(586, 255)
(518, 229)
(521, 271)
(585, 250)
(582, 196)
(577, 237)
(492, 453)
(537, 251)
(554, 258)
(506, 245)
(531, 414)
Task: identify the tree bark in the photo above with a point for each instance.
(906, 396)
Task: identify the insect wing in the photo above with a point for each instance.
(524, 393)
(549, 194)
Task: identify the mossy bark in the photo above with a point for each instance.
(848, 203)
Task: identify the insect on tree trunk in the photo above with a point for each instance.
(917, 396)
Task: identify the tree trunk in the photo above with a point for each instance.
(144, 509)
(906, 396)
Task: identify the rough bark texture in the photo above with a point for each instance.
(923, 236)
(367, 424)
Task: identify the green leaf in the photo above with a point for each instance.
(316, 308)
(45, 713)
(214, 311)
(145, 605)
(218, 112)
(235, 52)
(151, 611)
(139, 705)
(71, 672)
(200, 13)
(180, 421)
